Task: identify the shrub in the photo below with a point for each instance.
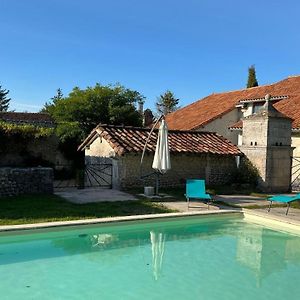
(247, 173)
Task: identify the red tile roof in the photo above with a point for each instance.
(290, 107)
(132, 139)
(237, 125)
(215, 106)
(27, 118)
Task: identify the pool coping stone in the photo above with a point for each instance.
(4, 228)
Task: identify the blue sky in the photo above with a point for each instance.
(191, 47)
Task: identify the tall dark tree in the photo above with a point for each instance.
(166, 103)
(4, 100)
(252, 81)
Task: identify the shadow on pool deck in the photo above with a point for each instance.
(90, 195)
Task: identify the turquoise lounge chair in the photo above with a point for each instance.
(195, 189)
(284, 199)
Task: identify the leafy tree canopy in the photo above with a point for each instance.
(166, 103)
(83, 109)
(4, 100)
(252, 81)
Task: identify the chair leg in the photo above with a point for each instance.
(288, 207)
(270, 205)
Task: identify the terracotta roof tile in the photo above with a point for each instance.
(27, 118)
(132, 139)
(214, 106)
(290, 107)
(237, 125)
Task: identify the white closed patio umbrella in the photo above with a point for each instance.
(161, 162)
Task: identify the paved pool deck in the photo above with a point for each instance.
(92, 195)
(240, 203)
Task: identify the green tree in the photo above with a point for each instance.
(83, 109)
(252, 81)
(4, 100)
(166, 103)
(59, 95)
(50, 105)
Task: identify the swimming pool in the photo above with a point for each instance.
(220, 257)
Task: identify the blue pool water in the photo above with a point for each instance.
(185, 258)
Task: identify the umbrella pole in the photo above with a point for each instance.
(157, 183)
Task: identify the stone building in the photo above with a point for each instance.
(223, 113)
(266, 141)
(193, 155)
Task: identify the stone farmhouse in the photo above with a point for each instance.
(228, 113)
(193, 155)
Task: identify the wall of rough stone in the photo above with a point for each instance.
(16, 181)
(33, 153)
(215, 169)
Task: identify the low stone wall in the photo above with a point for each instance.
(215, 169)
(16, 181)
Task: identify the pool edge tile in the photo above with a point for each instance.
(113, 219)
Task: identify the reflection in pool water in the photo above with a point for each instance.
(211, 258)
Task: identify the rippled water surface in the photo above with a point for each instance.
(186, 258)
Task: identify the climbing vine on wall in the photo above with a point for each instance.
(24, 131)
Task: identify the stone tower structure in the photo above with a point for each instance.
(266, 141)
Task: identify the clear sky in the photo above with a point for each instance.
(191, 47)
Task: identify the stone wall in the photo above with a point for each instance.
(35, 152)
(215, 169)
(16, 181)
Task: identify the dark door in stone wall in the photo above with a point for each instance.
(96, 173)
(295, 180)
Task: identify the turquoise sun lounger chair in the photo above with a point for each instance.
(284, 199)
(195, 189)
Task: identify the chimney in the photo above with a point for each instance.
(148, 118)
(141, 107)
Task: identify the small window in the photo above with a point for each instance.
(251, 143)
(87, 147)
(255, 143)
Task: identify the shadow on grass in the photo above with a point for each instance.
(45, 208)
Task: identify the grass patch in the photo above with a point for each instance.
(27, 209)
